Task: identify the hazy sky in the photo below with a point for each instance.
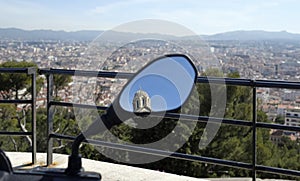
(200, 16)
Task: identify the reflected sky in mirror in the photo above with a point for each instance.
(167, 81)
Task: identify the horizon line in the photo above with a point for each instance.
(73, 31)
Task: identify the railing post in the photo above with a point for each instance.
(254, 135)
(33, 113)
(50, 115)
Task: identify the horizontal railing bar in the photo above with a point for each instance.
(249, 82)
(84, 106)
(13, 133)
(205, 119)
(14, 70)
(232, 121)
(15, 101)
(167, 115)
(278, 126)
(86, 73)
(209, 160)
(277, 84)
(157, 152)
(62, 136)
(215, 80)
(278, 170)
(191, 117)
(228, 81)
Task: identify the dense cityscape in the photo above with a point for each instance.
(252, 59)
(261, 59)
(278, 60)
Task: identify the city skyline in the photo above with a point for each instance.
(202, 17)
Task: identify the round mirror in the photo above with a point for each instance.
(163, 85)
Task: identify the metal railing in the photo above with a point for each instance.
(32, 72)
(254, 124)
(253, 166)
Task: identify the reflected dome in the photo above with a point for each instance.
(141, 102)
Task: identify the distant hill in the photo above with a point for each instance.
(253, 35)
(14, 33)
(84, 35)
(89, 35)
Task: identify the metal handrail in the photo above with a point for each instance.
(212, 80)
(32, 72)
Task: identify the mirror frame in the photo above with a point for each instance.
(116, 102)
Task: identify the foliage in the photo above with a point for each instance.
(60, 81)
(279, 120)
(14, 82)
(13, 119)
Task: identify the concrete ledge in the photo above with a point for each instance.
(108, 171)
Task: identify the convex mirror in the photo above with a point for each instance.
(163, 85)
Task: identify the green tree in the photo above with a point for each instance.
(10, 122)
(16, 81)
(279, 120)
(60, 81)
(11, 84)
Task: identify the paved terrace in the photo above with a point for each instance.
(109, 171)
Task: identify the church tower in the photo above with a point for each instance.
(141, 102)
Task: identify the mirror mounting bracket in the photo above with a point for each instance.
(175, 62)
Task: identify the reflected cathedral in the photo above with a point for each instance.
(141, 102)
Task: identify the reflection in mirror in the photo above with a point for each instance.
(163, 85)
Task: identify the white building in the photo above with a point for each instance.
(292, 118)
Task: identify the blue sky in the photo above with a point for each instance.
(173, 79)
(200, 16)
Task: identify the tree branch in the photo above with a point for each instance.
(14, 142)
(22, 124)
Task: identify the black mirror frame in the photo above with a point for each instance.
(127, 114)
